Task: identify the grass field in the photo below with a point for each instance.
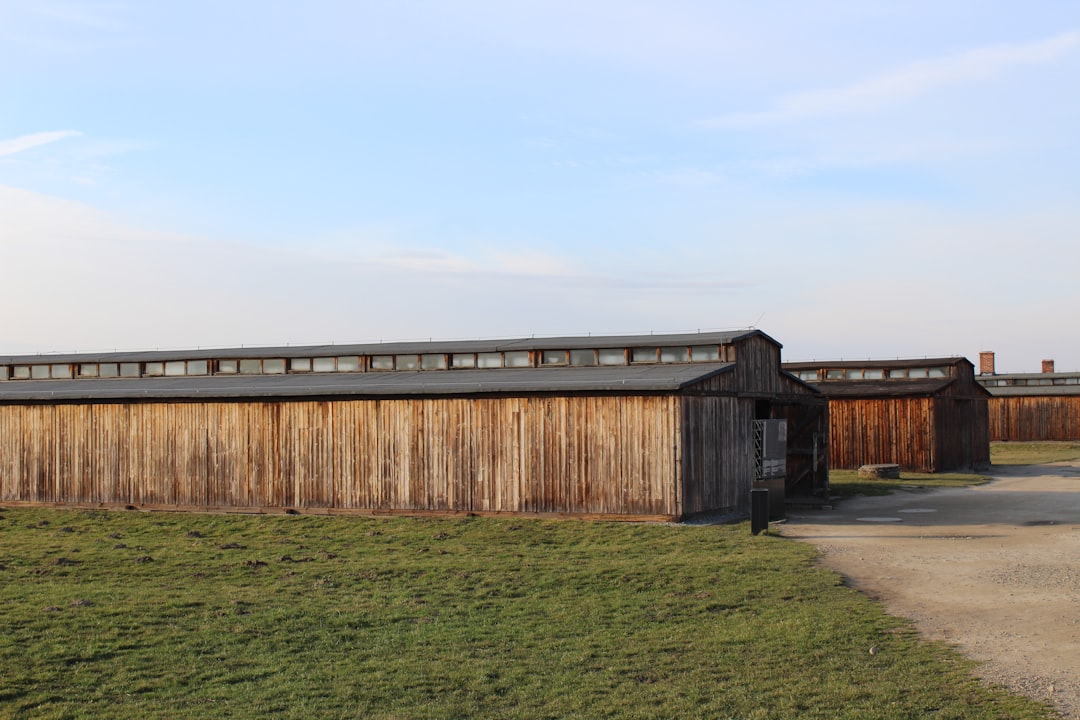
(1033, 453)
(140, 615)
(847, 483)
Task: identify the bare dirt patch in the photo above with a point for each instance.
(993, 570)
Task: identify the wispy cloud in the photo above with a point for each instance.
(688, 177)
(94, 18)
(419, 293)
(905, 83)
(26, 142)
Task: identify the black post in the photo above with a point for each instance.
(759, 510)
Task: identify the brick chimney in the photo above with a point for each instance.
(986, 363)
(1048, 366)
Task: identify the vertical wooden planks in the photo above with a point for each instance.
(893, 430)
(1031, 418)
(717, 453)
(544, 454)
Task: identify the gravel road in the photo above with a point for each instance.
(993, 570)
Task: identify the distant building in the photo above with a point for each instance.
(643, 426)
(926, 415)
(1032, 406)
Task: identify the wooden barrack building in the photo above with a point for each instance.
(926, 415)
(641, 427)
(1031, 407)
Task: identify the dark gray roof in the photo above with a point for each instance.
(1033, 390)
(391, 348)
(882, 388)
(614, 379)
(900, 363)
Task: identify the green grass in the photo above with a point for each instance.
(140, 615)
(847, 483)
(1033, 453)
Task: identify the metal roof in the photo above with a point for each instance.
(899, 363)
(607, 379)
(881, 388)
(1029, 388)
(390, 348)
(1028, 376)
(1032, 390)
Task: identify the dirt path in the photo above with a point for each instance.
(993, 570)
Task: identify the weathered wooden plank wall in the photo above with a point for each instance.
(758, 366)
(893, 430)
(579, 455)
(962, 441)
(1034, 418)
(717, 454)
(980, 417)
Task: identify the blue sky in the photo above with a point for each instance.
(859, 180)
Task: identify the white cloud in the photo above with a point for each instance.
(906, 83)
(860, 282)
(26, 142)
(89, 281)
(93, 18)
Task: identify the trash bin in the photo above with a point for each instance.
(759, 510)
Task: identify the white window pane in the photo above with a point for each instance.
(553, 357)
(705, 353)
(226, 367)
(198, 367)
(129, 369)
(674, 355)
(489, 360)
(643, 355)
(464, 360)
(612, 356)
(583, 358)
(834, 374)
(348, 363)
(273, 366)
(853, 373)
(937, 372)
(88, 370)
(405, 362)
(873, 374)
(433, 362)
(518, 358)
(897, 373)
(917, 372)
(154, 369)
(60, 371)
(250, 366)
(175, 367)
(300, 365)
(39, 372)
(20, 372)
(382, 362)
(324, 364)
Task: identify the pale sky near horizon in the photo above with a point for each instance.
(858, 180)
